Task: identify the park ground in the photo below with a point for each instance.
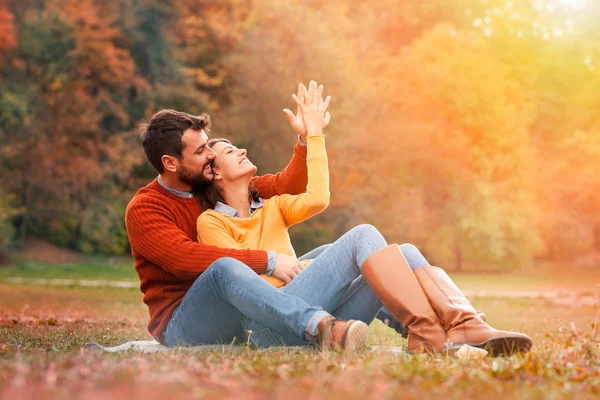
(43, 329)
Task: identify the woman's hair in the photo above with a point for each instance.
(209, 195)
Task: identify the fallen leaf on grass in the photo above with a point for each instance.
(467, 351)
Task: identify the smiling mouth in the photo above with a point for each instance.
(245, 160)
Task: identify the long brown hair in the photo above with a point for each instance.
(209, 195)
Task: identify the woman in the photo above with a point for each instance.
(237, 217)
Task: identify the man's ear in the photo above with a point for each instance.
(170, 163)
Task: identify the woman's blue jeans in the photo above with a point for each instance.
(229, 302)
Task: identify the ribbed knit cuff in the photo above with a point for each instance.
(258, 260)
(300, 150)
(271, 261)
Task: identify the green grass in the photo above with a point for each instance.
(43, 328)
(554, 278)
(121, 269)
(93, 268)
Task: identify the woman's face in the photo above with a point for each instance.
(231, 163)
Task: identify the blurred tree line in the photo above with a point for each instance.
(466, 127)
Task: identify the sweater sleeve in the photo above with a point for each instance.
(154, 235)
(298, 208)
(291, 180)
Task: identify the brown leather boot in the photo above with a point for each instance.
(393, 282)
(461, 321)
(337, 334)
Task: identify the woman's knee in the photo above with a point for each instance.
(413, 256)
(408, 248)
(228, 268)
(366, 231)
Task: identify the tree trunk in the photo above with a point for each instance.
(459, 259)
(25, 222)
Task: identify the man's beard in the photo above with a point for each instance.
(198, 181)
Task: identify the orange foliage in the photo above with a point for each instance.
(8, 38)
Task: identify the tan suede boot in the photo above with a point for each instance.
(387, 273)
(461, 321)
(337, 334)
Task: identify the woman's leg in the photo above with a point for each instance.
(311, 255)
(360, 302)
(415, 260)
(228, 292)
(328, 280)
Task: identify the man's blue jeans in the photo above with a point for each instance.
(230, 302)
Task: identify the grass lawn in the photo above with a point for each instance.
(43, 328)
(557, 278)
(93, 268)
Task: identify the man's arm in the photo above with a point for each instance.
(291, 180)
(154, 235)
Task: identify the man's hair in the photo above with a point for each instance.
(209, 194)
(162, 135)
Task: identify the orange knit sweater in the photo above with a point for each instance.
(162, 232)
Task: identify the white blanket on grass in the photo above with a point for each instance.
(152, 346)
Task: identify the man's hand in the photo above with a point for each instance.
(297, 120)
(287, 268)
(313, 109)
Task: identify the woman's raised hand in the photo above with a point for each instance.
(297, 120)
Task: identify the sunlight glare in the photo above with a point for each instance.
(574, 3)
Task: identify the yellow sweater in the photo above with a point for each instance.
(267, 228)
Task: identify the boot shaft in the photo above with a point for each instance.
(389, 276)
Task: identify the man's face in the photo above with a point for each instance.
(195, 165)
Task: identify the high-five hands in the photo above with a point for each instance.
(297, 120)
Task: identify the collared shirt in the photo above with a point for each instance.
(185, 195)
(232, 212)
(255, 205)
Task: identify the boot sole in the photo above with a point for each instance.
(500, 346)
(356, 336)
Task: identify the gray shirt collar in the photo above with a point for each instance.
(179, 193)
(232, 212)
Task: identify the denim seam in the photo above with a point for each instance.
(185, 335)
(242, 295)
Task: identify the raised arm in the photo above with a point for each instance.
(154, 235)
(303, 206)
(293, 178)
(298, 208)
